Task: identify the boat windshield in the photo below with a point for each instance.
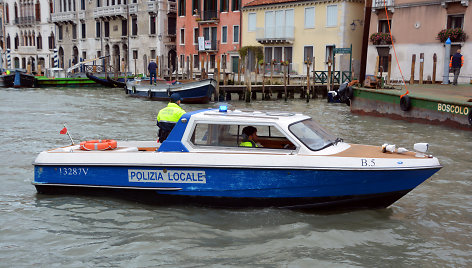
(312, 135)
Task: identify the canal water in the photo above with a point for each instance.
(429, 227)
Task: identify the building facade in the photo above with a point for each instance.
(131, 33)
(28, 34)
(297, 30)
(415, 26)
(208, 30)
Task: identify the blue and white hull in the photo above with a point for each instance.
(243, 187)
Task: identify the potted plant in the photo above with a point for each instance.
(380, 39)
(456, 35)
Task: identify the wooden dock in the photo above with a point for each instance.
(268, 92)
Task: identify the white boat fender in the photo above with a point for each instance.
(401, 150)
(333, 93)
(388, 148)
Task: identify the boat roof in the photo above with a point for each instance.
(247, 115)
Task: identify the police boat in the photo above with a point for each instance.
(297, 164)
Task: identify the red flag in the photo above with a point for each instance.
(63, 131)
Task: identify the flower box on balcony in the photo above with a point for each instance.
(380, 39)
(456, 35)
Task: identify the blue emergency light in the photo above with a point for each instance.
(223, 108)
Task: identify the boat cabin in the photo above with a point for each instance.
(222, 130)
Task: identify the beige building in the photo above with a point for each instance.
(131, 33)
(415, 26)
(296, 30)
(27, 34)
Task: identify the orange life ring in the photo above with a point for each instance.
(98, 145)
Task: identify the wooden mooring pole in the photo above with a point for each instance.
(217, 96)
(421, 68)
(247, 79)
(412, 76)
(308, 80)
(285, 83)
(239, 71)
(313, 91)
(435, 59)
(263, 81)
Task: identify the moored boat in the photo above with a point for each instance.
(17, 78)
(100, 81)
(297, 165)
(191, 92)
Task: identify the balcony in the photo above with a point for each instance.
(381, 4)
(463, 2)
(25, 50)
(171, 7)
(133, 8)
(110, 11)
(81, 15)
(25, 21)
(152, 6)
(208, 17)
(275, 35)
(209, 46)
(63, 16)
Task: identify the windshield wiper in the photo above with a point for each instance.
(336, 141)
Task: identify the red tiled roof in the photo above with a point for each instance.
(269, 2)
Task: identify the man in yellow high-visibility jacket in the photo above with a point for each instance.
(249, 137)
(169, 116)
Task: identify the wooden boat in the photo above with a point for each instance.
(120, 82)
(191, 92)
(6, 80)
(117, 82)
(298, 164)
(17, 78)
(100, 81)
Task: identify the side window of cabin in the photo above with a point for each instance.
(213, 135)
(231, 136)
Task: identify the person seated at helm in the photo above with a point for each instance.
(169, 116)
(249, 137)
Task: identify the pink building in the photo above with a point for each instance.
(415, 26)
(207, 30)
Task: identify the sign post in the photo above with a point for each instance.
(345, 50)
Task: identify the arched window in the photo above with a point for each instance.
(17, 41)
(39, 42)
(51, 43)
(8, 41)
(16, 13)
(37, 8)
(51, 6)
(7, 17)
